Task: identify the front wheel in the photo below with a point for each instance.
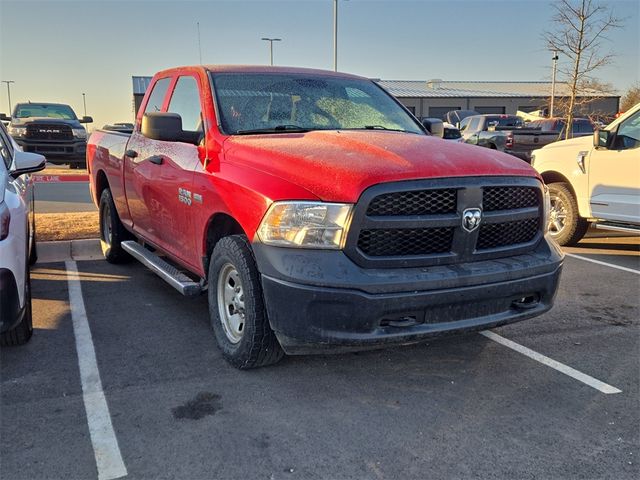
(112, 232)
(565, 224)
(236, 307)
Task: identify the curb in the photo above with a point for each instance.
(59, 178)
(49, 252)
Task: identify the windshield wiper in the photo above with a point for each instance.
(276, 129)
(382, 127)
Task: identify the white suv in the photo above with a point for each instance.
(17, 239)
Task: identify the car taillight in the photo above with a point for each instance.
(509, 142)
(5, 219)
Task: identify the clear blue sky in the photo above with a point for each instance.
(55, 50)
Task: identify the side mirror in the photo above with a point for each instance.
(27, 162)
(86, 119)
(167, 127)
(434, 126)
(601, 138)
(4, 117)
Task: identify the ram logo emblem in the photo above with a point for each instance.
(471, 219)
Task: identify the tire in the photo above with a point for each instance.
(565, 224)
(245, 337)
(112, 232)
(21, 333)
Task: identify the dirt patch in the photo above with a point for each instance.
(62, 171)
(67, 226)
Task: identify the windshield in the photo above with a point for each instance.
(27, 110)
(505, 121)
(265, 102)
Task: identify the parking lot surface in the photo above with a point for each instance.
(456, 407)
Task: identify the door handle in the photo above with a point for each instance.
(131, 153)
(156, 159)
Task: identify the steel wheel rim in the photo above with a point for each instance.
(231, 309)
(107, 234)
(557, 215)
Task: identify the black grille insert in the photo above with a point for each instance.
(494, 235)
(508, 198)
(417, 202)
(49, 132)
(405, 241)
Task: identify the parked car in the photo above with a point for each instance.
(51, 129)
(17, 239)
(594, 179)
(318, 214)
(581, 126)
(455, 117)
(505, 133)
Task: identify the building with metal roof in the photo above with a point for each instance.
(434, 98)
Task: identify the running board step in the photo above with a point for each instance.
(167, 272)
(618, 227)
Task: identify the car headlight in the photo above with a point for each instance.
(79, 133)
(306, 225)
(546, 213)
(17, 132)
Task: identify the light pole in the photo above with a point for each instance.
(9, 82)
(335, 35)
(553, 82)
(84, 102)
(271, 40)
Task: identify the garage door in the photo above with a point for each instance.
(438, 112)
(492, 110)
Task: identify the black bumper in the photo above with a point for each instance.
(69, 150)
(320, 301)
(10, 311)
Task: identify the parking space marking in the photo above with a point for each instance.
(599, 262)
(103, 438)
(549, 362)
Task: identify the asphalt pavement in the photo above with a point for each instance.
(457, 407)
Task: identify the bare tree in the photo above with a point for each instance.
(580, 30)
(630, 98)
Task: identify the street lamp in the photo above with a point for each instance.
(553, 82)
(84, 102)
(335, 35)
(271, 40)
(9, 82)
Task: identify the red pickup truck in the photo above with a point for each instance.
(318, 214)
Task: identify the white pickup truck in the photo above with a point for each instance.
(594, 180)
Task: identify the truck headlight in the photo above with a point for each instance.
(306, 225)
(17, 132)
(546, 212)
(79, 133)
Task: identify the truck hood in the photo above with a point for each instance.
(340, 165)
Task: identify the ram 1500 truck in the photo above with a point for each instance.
(50, 129)
(594, 179)
(505, 133)
(318, 214)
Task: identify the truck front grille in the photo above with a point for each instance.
(49, 132)
(394, 242)
(420, 202)
(420, 223)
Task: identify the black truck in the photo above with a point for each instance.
(50, 129)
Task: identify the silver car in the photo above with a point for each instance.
(17, 239)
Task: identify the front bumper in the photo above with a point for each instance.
(320, 301)
(75, 149)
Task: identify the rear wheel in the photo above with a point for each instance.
(236, 307)
(112, 232)
(21, 333)
(565, 224)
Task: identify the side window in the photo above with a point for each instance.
(6, 149)
(628, 135)
(157, 95)
(185, 101)
(464, 123)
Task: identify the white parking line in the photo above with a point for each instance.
(549, 362)
(103, 438)
(599, 262)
